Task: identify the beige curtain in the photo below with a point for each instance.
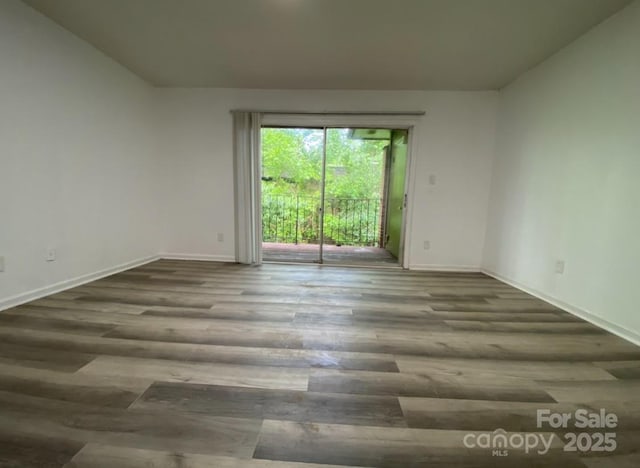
(247, 168)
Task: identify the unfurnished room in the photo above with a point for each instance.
(319, 233)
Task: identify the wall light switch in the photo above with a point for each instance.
(432, 179)
(427, 245)
(560, 267)
(1, 263)
(220, 237)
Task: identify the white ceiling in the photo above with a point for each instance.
(329, 44)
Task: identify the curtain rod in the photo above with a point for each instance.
(365, 113)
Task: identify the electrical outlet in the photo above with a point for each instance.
(51, 255)
(560, 267)
(220, 237)
(427, 245)
(1, 263)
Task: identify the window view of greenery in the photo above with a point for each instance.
(291, 187)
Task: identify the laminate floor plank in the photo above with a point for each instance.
(18, 319)
(290, 405)
(146, 297)
(373, 322)
(480, 306)
(219, 313)
(622, 369)
(512, 317)
(216, 374)
(175, 431)
(279, 307)
(96, 390)
(476, 415)
(46, 451)
(517, 346)
(491, 369)
(579, 391)
(87, 305)
(391, 313)
(39, 358)
(358, 445)
(526, 327)
(163, 286)
(79, 316)
(613, 461)
(109, 456)
(432, 385)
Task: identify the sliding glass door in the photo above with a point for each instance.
(324, 193)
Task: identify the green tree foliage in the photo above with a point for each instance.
(355, 168)
(291, 161)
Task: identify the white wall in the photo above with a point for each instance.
(77, 166)
(455, 141)
(566, 179)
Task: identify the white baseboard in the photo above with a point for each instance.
(598, 321)
(71, 283)
(199, 257)
(445, 268)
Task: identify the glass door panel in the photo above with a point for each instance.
(292, 162)
(354, 191)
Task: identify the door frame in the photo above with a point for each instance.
(326, 121)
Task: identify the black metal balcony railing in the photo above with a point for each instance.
(295, 219)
